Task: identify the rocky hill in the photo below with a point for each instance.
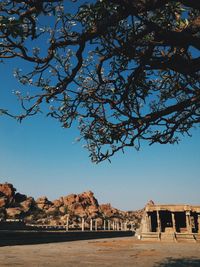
(14, 205)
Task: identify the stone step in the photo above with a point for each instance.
(185, 238)
(197, 237)
(150, 236)
(167, 237)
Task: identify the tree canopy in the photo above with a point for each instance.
(125, 70)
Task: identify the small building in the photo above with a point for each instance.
(170, 222)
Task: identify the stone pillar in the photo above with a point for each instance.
(195, 216)
(91, 224)
(67, 224)
(198, 221)
(117, 226)
(188, 222)
(109, 225)
(104, 225)
(96, 226)
(83, 224)
(173, 222)
(113, 225)
(158, 221)
(149, 221)
(125, 226)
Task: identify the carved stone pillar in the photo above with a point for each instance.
(113, 225)
(198, 221)
(149, 219)
(67, 224)
(83, 224)
(108, 225)
(96, 225)
(158, 222)
(132, 227)
(173, 222)
(104, 225)
(188, 222)
(91, 224)
(125, 226)
(148, 222)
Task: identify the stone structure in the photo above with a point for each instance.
(170, 222)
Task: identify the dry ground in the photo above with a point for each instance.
(116, 252)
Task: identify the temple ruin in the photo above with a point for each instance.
(170, 222)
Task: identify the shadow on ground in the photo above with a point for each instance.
(184, 262)
(9, 238)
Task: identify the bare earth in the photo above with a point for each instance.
(124, 252)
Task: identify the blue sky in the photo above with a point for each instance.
(41, 158)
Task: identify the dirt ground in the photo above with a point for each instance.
(125, 252)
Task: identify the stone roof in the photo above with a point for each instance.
(172, 207)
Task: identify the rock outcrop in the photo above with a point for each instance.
(7, 193)
(43, 203)
(14, 213)
(75, 206)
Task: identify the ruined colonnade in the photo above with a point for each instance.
(107, 225)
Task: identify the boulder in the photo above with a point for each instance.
(63, 219)
(63, 209)
(70, 199)
(29, 219)
(92, 211)
(78, 209)
(52, 211)
(43, 203)
(14, 213)
(20, 197)
(2, 214)
(108, 211)
(90, 197)
(8, 192)
(7, 189)
(57, 203)
(28, 204)
(3, 202)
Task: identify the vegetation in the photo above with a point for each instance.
(125, 70)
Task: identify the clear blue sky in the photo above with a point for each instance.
(40, 158)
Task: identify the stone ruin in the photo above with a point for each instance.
(170, 222)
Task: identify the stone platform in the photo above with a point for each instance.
(173, 237)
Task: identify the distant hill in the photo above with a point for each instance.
(14, 205)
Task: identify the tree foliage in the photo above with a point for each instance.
(125, 70)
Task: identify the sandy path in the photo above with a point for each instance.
(123, 252)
